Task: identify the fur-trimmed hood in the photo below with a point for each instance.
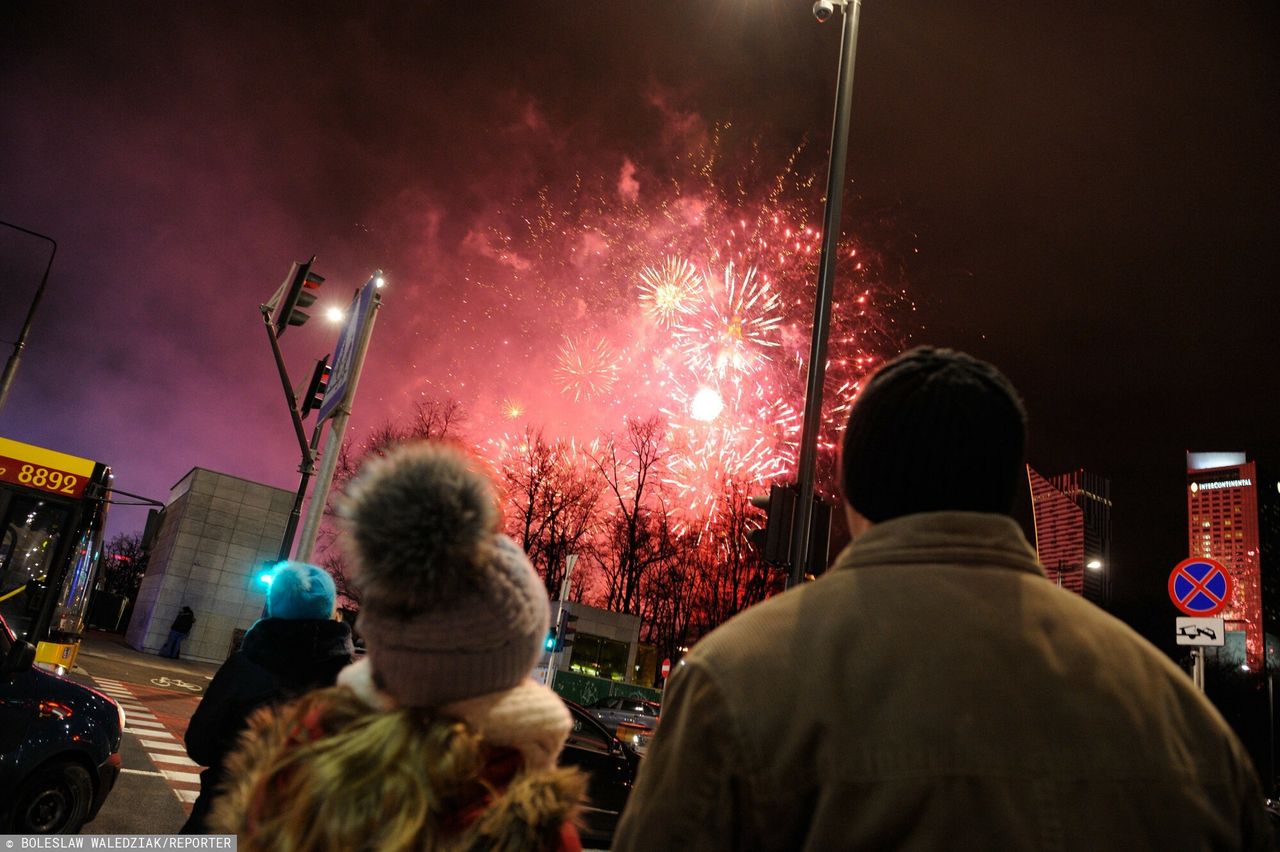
(529, 807)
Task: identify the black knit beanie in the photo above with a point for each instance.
(934, 430)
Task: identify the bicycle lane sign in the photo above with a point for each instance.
(1200, 586)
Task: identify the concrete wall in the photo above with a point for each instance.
(593, 621)
(218, 533)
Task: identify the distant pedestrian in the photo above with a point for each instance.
(297, 647)
(178, 631)
(438, 739)
(933, 690)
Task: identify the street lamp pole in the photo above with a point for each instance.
(11, 366)
(808, 461)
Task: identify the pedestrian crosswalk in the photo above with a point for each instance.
(159, 732)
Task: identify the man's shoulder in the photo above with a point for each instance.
(762, 632)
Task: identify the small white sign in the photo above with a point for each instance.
(1201, 631)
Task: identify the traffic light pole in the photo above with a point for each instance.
(298, 428)
(808, 460)
(570, 561)
(307, 470)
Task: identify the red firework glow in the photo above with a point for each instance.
(681, 302)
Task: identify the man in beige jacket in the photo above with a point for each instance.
(933, 690)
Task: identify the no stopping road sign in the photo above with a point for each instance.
(1200, 586)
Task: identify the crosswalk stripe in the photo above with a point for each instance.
(145, 723)
(162, 746)
(175, 759)
(187, 796)
(142, 772)
(147, 732)
(138, 712)
(174, 775)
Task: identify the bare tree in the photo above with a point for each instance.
(669, 596)
(123, 565)
(551, 500)
(430, 420)
(734, 576)
(637, 531)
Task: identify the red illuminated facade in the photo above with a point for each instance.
(1222, 523)
(1072, 514)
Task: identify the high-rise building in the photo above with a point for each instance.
(1222, 524)
(1072, 516)
(1092, 493)
(1269, 547)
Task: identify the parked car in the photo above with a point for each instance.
(59, 746)
(633, 720)
(612, 767)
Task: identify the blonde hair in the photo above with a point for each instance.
(327, 772)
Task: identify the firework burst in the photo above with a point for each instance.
(735, 325)
(696, 304)
(668, 290)
(586, 373)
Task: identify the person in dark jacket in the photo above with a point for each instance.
(296, 648)
(177, 632)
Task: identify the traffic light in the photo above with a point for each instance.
(549, 644)
(319, 384)
(299, 292)
(819, 536)
(267, 574)
(565, 630)
(774, 539)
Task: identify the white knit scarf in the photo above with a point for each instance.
(528, 717)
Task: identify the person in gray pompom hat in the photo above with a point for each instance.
(439, 738)
(451, 608)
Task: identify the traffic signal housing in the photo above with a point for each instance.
(316, 388)
(564, 631)
(299, 293)
(773, 540)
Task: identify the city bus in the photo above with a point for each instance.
(53, 507)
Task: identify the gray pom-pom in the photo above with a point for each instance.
(421, 517)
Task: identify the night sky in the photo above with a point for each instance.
(1085, 194)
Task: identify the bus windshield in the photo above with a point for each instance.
(31, 531)
(52, 511)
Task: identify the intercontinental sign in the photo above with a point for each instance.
(1212, 486)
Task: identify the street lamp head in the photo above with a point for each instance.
(1094, 565)
(823, 10)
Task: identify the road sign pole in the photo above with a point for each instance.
(1197, 668)
(329, 463)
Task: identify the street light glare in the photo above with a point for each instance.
(1094, 564)
(335, 315)
(379, 281)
